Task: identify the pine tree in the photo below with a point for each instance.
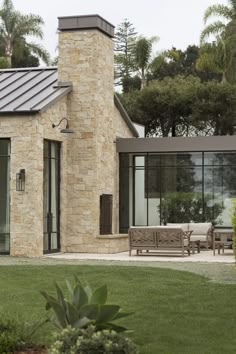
(125, 39)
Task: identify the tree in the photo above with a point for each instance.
(215, 107)
(167, 64)
(125, 38)
(184, 106)
(224, 31)
(14, 28)
(217, 57)
(173, 62)
(143, 51)
(25, 59)
(164, 107)
(3, 63)
(210, 58)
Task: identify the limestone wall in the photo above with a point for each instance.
(26, 134)
(86, 58)
(89, 162)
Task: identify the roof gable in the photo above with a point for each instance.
(33, 90)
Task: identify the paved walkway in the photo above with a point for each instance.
(203, 257)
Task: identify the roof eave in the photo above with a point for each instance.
(42, 109)
(56, 99)
(125, 116)
(19, 112)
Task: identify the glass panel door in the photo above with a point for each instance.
(4, 196)
(51, 204)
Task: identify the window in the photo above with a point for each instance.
(105, 214)
(156, 188)
(4, 196)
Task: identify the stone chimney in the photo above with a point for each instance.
(86, 59)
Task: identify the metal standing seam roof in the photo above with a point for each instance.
(33, 90)
(30, 90)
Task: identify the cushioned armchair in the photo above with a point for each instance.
(200, 231)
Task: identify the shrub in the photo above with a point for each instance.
(89, 341)
(15, 335)
(233, 222)
(10, 338)
(83, 307)
(182, 207)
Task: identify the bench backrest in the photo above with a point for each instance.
(158, 236)
(171, 236)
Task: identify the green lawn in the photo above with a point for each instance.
(174, 311)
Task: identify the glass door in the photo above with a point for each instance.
(4, 196)
(51, 203)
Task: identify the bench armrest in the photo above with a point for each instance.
(187, 234)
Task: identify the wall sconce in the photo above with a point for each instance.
(67, 129)
(20, 180)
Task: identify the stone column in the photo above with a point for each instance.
(86, 59)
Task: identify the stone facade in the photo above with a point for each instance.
(86, 58)
(27, 134)
(89, 162)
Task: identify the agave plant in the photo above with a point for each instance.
(83, 307)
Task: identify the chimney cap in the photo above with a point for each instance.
(86, 22)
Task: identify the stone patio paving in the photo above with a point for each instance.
(203, 257)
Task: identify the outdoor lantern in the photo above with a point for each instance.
(67, 129)
(20, 180)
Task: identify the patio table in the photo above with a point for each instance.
(222, 238)
(220, 246)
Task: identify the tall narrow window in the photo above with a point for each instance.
(4, 196)
(51, 204)
(105, 214)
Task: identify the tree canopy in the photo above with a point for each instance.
(14, 29)
(186, 92)
(222, 54)
(183, 106)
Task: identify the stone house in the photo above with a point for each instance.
(61, 191)
(80, 192)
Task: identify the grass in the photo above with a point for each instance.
(174, 311)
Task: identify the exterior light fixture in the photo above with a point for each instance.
(20, 180)
(67, 129)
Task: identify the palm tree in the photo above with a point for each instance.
(14, 27)
(213, 58)
(224, 33)
(143, 51)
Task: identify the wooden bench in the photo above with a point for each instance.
(159, 238)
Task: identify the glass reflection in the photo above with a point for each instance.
(178, 187)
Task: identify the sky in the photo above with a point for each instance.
(178, 23)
